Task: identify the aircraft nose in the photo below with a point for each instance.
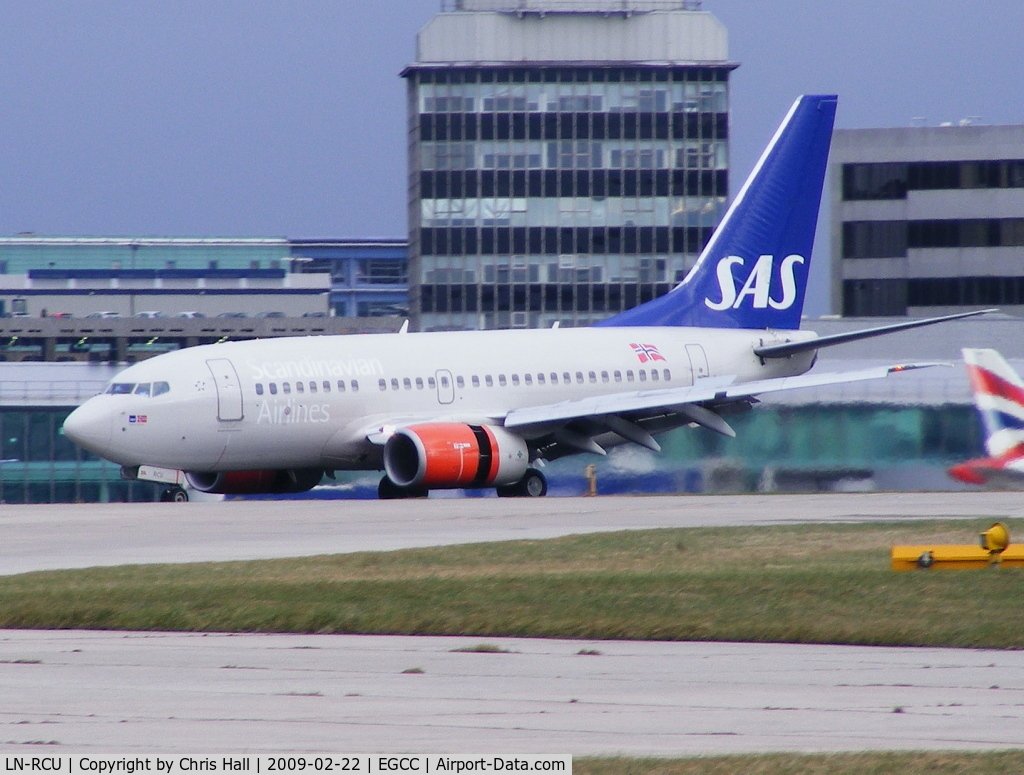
(90, 426)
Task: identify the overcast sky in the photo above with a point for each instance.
(287, 117)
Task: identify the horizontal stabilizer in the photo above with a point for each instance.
(792, 348)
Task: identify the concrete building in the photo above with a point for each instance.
(369, 277)
(927, 220)
(126, 276)
(567, 159)
(167, 276)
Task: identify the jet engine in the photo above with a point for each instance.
(289, 480)
(448, 455)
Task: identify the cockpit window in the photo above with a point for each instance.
(147, 389)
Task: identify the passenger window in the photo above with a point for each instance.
(540, 378)
(629, 375)
(604, 376)
(355, 386)
(341, 386)
(394, 383)
(489, 380)
(579, 377)
(382, 384)
(431, 382)
(312, 387)
(515, 380)
(259, 388)
(300, 388)
(618, 376)
(286, 387)
(554, 378)
(476, 381)
(444, 381)
(528, 379)
(327, 386)
(567, 378)
(654, 375)
(667, 374)
(159, 388)
(501, 380)
(642, 374)
(273, 388)
(593, 376)
(142, 389)
(407, 383)
(419, 383)
(460, 382)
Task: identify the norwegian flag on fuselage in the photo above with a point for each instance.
(647, 352)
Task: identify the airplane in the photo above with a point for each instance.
(485, 409)
(999, 398)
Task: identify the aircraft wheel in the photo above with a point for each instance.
(174, 495)
(388, 490)
(532, 485)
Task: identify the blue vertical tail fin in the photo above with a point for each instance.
(753, 271)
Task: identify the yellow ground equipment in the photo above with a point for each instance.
(993, 548)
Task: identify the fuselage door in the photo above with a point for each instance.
(698, 362)
(445, 387)
(229, 391)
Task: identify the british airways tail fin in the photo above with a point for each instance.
(999, 399)
(753, 272)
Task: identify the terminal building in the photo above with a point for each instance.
(568, 159)
(201, 277)
(927, 220)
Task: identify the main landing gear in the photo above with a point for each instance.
(388, 490)
(532, 485)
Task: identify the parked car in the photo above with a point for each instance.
(150, 314)
(232, 315)
(273, 314)
(103, 314)
(190, 314)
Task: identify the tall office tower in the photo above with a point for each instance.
(568, 159)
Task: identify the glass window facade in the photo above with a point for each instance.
(566, 194)
(39, 465)
(892, 180)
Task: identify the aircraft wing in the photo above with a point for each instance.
(710, 391)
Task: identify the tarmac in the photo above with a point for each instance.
(113, 692)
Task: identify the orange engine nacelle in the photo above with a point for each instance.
(447, 455)
(272, 481)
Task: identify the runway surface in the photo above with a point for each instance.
(167, 693)
(45, 537)
(189, 693)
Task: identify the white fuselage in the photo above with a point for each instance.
(314, 401)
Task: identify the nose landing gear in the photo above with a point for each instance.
(174, 495)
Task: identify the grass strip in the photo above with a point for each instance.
(882, 763)
(800, 584)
